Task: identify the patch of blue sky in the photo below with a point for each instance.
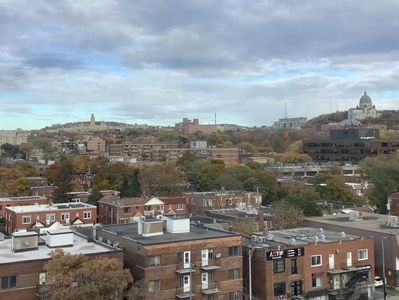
(390, 94)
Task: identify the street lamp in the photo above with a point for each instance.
(251, 250)
(383, 266)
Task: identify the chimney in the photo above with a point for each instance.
(24, 241)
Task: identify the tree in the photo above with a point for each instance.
(81, 163)
(135, 188)
(305, 199)
(383, 172)
(333, 188)
(26, 148)
(75, 277)
(125, 189)
(162, 180)
(294, 157)
(18, 187)
(110, 177)
(286, 215)
(94, 196)
(205, 172)
(11, 151)
(61, 174)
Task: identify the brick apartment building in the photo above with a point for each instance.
(25, 217)
(177, 260)
(191, 126)
(141, 151)
(199, 202)
(115, 210)
(230, 156)
(20, 201)
(310, 263)
(23, 256)
(43, 190)
(384, 230)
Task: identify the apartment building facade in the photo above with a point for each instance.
(115, 210)
(200, 202)
(22, 259)
(20, 201)
(177, 260)
(42, 215)
(310, 263)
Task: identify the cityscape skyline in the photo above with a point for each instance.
(126, 62)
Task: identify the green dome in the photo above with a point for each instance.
(365, 101)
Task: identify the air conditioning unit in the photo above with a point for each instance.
(218, 255)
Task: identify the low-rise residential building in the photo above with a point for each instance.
(309, 263)
(384, 230)
(25, 217)
(113, 209)
(23, 256)
(177, 260)
(230, 156)
(199, 202)
(14, 137)
(20, 201)
(95, 145)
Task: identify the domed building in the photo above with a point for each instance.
(364, 110)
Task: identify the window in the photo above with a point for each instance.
(234, 251)
(210, 253)
(180, 257)
(349, 259)
(211, 297)
(316, 260)
(64, 216)
(211, 277)
(154, 261)
(154, 286)
(1, 207)
(279, 289)
(362, 254)
(87, 215)
(278, 266)
(26, 220)
(126, 210)
(234, 296)
(179, 206)
(8, 282)
(42, 278)
(50, 218)
(234, 273)
(294, 266)
(316, 281)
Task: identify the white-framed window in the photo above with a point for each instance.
(42, 278)
(26, 219)
(316, 260)
(154, 261)
(362, 254)
(50, 217)
(64, 216)
(179, 206)
(87, 215)
(154, 285)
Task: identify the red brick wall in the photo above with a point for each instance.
(16, 218)
(20, 202)
(339, 250)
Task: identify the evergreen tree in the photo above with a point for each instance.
(125, 189)
(135, 188)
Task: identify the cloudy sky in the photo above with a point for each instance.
(157, 61)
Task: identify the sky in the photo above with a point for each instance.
(157, 61)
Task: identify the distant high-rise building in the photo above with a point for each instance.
(92, 121)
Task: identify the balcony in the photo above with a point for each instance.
(210, 288)
(182, 293)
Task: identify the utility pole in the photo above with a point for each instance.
(250, 252)
(383, 266)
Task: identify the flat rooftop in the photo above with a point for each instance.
(46, 207)
(23, 198)
(80, 246)
(303, 236)
(200, 232)
(368, 221)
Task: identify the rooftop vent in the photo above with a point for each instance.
(178, 225)
(393, 221)
(355, 216)
(151, 227)
(24, 241)
(342, 234)
(59, 238)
